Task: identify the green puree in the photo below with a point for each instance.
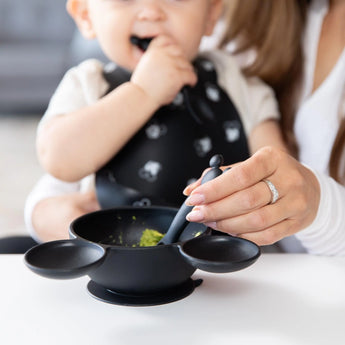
(150, 238)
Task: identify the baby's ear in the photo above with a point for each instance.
(79, 11)
(216, 9)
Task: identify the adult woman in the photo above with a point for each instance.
(310, 202)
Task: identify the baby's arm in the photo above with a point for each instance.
(263, 128)
(50, 225)
(74, 145)
(43, 221)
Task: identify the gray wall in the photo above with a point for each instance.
(38, 43)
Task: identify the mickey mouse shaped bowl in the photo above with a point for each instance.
(105, 246)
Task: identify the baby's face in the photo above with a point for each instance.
(114, 22)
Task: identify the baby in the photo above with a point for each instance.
(130, 125)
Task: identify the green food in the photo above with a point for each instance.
(150, 238)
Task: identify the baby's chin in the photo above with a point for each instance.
(128, 62)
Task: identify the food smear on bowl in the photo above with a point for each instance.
(150, 238)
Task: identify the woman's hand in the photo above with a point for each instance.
(239, 202)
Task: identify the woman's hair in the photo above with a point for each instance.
(274, 29)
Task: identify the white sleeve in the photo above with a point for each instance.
(46, 187)
(81, 86)
(254, 100)
(326, 235)
(262, 102)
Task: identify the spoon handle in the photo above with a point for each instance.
(180, 222)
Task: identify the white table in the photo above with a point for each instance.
(281, 299)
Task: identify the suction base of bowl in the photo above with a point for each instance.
(167, 296)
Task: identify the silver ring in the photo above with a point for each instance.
(273, 189)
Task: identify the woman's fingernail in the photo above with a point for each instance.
(195, 216)
(186, 191)
(195, 199)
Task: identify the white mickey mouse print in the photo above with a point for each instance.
(178, 100)
(109, 67)
(203, 146)
(212, 92)
(207, 65)
(232, 131)
(144, 202)
(155, 130)
(150, 171)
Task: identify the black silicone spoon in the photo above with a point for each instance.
(142, 43)
(179, 222)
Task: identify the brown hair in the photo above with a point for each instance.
(274, 28)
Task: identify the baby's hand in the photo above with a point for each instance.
(163, 70)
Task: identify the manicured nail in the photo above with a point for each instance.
(195, 199)
(186, 191)
(196, 215)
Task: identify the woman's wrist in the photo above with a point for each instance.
(326, 234)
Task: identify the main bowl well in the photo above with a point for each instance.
(122, 226)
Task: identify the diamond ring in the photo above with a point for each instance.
(273, 190)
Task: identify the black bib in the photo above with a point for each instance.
(175, 146)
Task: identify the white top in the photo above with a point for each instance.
(319, 111)
(316, 125)
(84, 85)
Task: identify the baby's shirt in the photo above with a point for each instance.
(175, 145)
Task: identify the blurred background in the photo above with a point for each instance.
(38, 43)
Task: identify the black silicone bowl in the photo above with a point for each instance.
(104, 245)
